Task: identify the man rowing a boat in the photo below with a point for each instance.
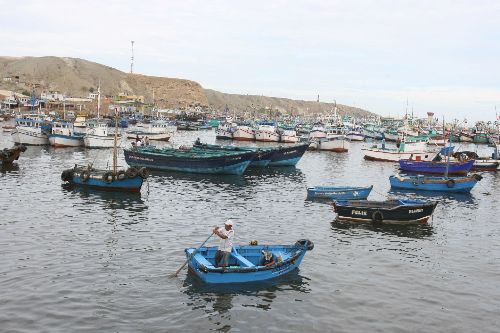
(226, 235)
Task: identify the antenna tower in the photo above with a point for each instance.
(132, 59)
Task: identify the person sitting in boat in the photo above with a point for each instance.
(267, 259)
(197, 142)
(226, 235)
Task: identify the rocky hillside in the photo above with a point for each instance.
(78, 77)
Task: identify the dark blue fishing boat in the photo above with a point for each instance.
(246, 263)
(454, 168)
(261, 159)
(129, 180)
(390, 211)
(277, 156)
(430, 183)
(189, 160)
(288, 155)
(339, 192)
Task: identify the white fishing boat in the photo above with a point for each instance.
(63, 135)
(289, 135)
(244, 132)
(224, 131)
(157, 130)
(80, 125)
(355, 133)
(267, 132)
(31, 130)
(317, 131)
(98, 136)
(404, 151)
(338, 144)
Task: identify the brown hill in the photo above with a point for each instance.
(77, 78)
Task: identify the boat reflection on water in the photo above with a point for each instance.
(217, 300)
(401, 230)
(289, 172)
(167, 177)
(126, 201)
(441, 197)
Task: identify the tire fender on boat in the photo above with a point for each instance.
(131, 172)
(477, 177)
(121, 175)
(108, 177)
(84, 175)
(143, 173)
(450, 183)
(377, 217)
(305, 243)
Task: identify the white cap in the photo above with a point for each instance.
(229, 222)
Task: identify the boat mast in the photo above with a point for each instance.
(447, 152)
(115, 151)
(98, 99)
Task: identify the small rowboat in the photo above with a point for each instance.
(454, 168)
(390, 211)
(338, 192)
(246, 262)
(430, 183)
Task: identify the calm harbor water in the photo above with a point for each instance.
(77, 260)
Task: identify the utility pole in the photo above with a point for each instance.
(132, 59)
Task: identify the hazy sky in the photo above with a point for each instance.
(443, 56)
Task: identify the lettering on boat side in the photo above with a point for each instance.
(289, 152)
(415, 211)
(359, 212)
(141, 158)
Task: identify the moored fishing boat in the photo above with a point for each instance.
(338, 192)
(189, 160)
(318, 131)
(244, 132)
(431, 183)
(404, 151)
(63, 135)
(9, 155)
(224, 131)
(338, 144)
(156, 130)
(288, 155)
(267, 132)
(454, 168)
(390, 211)
(246, 262)
(31, 130)
(261, 159)
(288, 135)
(129, 180)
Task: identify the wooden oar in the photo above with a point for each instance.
(192, 254)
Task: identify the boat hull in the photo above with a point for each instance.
(29, 136)
(338, 193)
(381, 155)
(353, 211)
(421, 183)
(60, 141)
(97, 141)
(234, 164)
(454, 168)
(151, 136)
(289, 155)
(242, 268)
(337, 145)
(244, 134)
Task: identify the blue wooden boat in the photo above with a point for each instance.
(339, 192)
(431, 183)
(454, 168)
(189, 160)
(288, 155)
(272, 156)
(246, 262)
(129, 180)
(390, 211)
(261, 159)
